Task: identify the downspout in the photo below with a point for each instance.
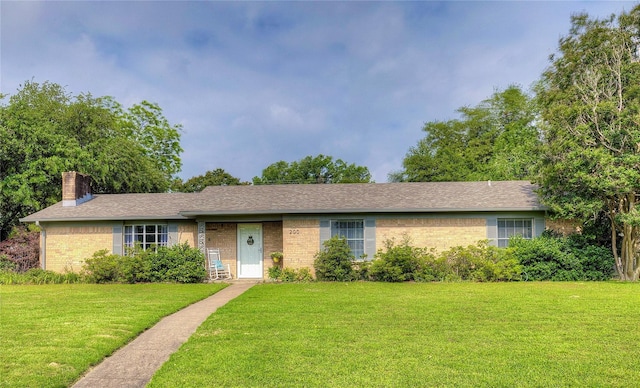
(43, 246)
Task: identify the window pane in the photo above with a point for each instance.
(147, 236)
(353, 231)
(527, 229)
(513, 227)
(128, 236)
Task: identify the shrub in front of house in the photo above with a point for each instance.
(179, 263)
(335, 261)
(103, 267)
(362, 269)
(480, 263)
(402, 262)
(287, 274)
(554, 257)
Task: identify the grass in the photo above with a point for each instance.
(442, 334)
(51, 334)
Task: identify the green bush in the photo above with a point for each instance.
(179, 263)
(481, 263)
(289, 274)
(362, 269)
(103, 267)
(135, 268)
(553, 257)
(335, 261)
(402, 262)
(275, 272)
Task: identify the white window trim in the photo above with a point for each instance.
(129, 231)
(505, 240)
(357, 255)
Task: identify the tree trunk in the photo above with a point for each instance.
(625, 259)
(627, 254)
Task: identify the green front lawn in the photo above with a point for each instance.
(402, 335)
(51, 334)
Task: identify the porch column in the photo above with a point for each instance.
(202, 229)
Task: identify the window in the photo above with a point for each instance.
(513, 227)
(353, 231)
(147, 236)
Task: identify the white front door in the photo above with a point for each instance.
(250, 251)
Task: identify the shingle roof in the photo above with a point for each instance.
(304, 199)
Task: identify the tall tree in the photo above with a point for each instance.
(495, 140)
(217, 177)
(590, 100)
(147, 126)
(318, 169)
(45, 131)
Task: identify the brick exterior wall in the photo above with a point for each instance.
(224, 236)
(187, 232)
(68, 246)
(438, 233)
(564, 227)
(272, 242)
(301, 241)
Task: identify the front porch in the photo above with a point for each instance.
(245, 247)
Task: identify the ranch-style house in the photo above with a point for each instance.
(247, 223)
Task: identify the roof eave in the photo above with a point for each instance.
(85, 219)
(191, 214)
(197, 213)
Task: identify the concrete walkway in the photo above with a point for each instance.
(135, 363)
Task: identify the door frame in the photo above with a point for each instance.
(239, 250)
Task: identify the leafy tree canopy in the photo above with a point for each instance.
(318, 169)
(45, 131)
(590, 106)
(217, 177)
(496, 140)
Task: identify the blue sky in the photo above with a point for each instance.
(253, 83)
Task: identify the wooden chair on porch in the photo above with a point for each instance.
(217, 270)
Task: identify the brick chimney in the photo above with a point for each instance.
(76, 188)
